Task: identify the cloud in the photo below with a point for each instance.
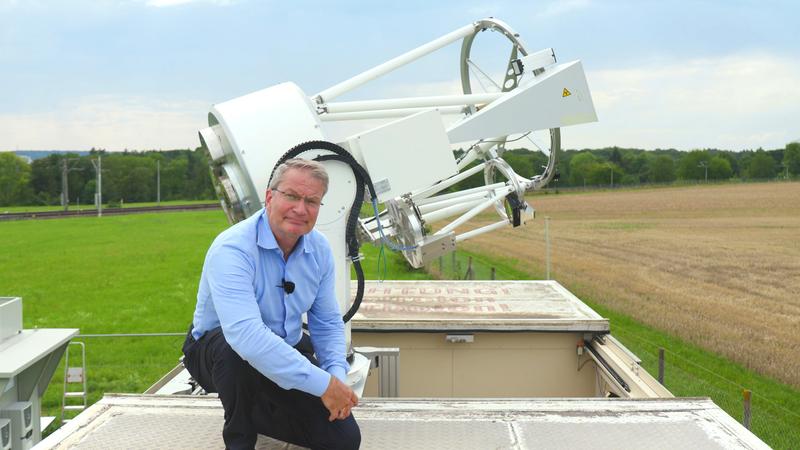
(739, 101)
(735, 102)
(110, 122)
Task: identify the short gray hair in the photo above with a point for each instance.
(314, 168)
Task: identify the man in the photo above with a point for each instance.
(246, 340)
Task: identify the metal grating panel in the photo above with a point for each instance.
(183, 422)
(145, 430)
(617, 436)
(439, 434)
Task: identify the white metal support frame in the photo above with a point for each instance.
(395, 63)
(474, 107)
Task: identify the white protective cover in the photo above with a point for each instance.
(557, 98)
(261, 127)
(405, 155)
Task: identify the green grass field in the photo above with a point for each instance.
(119, 274)
(139, 274)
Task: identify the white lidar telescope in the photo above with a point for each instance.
(408, 164)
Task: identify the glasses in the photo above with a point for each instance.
(312, 203)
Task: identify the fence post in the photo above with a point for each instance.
(746, 417)
(494, 274)
(470, 275)
(661, 366)
(547, 243)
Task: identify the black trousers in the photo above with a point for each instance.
(254, 404)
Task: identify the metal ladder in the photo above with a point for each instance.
(73, 376)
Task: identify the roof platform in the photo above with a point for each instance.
(195, 422)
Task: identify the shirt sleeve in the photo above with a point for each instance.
(230, 276)
(325, 320)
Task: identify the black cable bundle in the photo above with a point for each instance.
(362, 179)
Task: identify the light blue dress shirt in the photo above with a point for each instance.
(241, 290)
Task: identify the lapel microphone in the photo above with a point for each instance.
(287, 286)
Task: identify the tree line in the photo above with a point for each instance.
(126, 177)
(184, 174)
(614, 166)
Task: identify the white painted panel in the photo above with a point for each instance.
(404, 155)
(264, 125)
(560, 97)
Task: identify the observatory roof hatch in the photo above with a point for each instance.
(474, 306)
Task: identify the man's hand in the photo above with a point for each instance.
(338, 398)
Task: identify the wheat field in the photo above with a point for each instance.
(717, 265)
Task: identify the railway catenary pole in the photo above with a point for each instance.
(99, 186)
(65, 170)
(158, 182)
(547, 245)
(98, 167)
(64, 185)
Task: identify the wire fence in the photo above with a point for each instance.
(553, 187)
(466, 266)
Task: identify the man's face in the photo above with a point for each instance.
(291, 217)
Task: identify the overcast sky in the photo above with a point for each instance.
(141, 74)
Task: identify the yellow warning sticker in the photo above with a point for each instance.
(566, 93)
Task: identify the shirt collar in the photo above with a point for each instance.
(266, 240)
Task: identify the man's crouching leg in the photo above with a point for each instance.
(341, 434)
(254, 404)
(300, 418)
(213, 363)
